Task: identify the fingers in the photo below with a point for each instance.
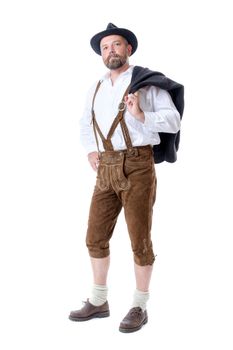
(94, 164)
(93, 160)
(133, 97)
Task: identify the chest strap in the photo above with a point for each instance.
(107, 143)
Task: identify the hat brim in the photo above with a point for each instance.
(127, 34)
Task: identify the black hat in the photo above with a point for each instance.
(114, 30)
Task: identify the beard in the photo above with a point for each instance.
(115, 61)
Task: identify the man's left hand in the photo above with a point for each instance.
(132, 103)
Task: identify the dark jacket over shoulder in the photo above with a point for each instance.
(168, 147)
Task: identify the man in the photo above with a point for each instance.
(130, 121)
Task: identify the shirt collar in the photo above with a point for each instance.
(124, 74)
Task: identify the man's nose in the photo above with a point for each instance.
(112, 49)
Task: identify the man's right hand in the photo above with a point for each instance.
(93, 159)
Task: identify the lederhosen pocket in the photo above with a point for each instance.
(111, 172)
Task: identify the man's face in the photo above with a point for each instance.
(115, 51)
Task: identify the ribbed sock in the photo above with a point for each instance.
(98, 294)
(140, 299)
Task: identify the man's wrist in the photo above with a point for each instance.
(140, 117)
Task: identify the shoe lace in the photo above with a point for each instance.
(136, 311)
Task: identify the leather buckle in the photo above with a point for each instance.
(122, 106)
(132, 152)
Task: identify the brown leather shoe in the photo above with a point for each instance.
(134, 320)
(89, 311)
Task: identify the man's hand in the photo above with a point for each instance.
(132, 103)
(93, 159)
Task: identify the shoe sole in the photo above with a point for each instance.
(96, 315)
(131, 330)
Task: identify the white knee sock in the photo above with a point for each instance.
(98, 294)
(140, 299)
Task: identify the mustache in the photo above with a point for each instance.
(114, 55)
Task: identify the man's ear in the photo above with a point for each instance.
(129, 49)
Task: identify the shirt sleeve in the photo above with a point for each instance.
(87, 136)
(160, 112)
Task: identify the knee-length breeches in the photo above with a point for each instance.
(128, 181)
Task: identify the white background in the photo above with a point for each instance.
(47, 66)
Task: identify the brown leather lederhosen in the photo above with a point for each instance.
(125, 178)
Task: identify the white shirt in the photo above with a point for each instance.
(160, 113)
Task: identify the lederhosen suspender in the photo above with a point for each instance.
(107, 143)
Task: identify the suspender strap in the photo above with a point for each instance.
(126, 136)
(94, 122)
(120, 115)
(119, 119)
